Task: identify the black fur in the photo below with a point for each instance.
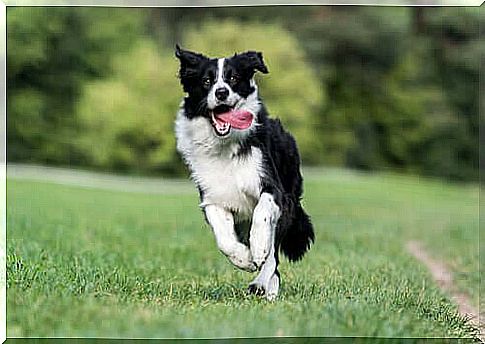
(294, 232)
(281, 160)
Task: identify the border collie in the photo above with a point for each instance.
(245, 165)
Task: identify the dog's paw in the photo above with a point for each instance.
(259, 255)
(269, 290)
(256, 289)
(247, 266)
(241, 257)
(273, 287)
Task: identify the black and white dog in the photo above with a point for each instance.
(245, 165)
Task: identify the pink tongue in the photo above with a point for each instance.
(239, 119)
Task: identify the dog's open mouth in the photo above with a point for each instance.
(225, 117)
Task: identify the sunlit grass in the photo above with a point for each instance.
(84, 262)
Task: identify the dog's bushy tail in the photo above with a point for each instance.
(299, 236)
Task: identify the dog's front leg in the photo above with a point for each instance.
(267, 282)
(222, 223)
(261, 237)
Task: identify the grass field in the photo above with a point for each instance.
(88, 262)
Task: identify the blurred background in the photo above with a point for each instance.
(370, 88)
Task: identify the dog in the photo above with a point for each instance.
(245, 165)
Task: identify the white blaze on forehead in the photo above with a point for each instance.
(220, 72)
(231, 99)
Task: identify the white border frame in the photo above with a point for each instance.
(135, 3)
(239, 3)
(3, 166)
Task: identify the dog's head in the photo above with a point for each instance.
(222, 90)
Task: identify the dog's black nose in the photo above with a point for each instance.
(222, 93)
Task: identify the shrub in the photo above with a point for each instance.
(127, 120)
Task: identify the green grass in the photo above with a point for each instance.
(84, 262)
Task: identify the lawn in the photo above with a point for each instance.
(92, 262)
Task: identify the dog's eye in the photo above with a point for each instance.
(233, 79)
(206, 81)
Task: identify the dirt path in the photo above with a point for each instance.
(444, 278)
(96, 180)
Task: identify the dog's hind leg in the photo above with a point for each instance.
(222, 223)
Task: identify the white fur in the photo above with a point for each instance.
(267, 279)
(222, 224)
(261, 237)
(227, 180)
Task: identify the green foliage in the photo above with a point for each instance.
(401, 94)
(367, 88)
(291, 90)
(127, 119)
(456, 38)
(51, 52)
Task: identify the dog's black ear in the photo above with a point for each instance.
(254, 60)
(188, 58)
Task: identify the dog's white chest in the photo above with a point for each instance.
(225, 178)
(233, 183)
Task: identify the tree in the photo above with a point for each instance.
(51, 52)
